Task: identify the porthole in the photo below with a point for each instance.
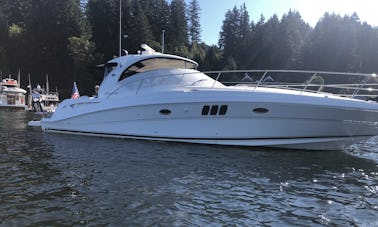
(205, 110)
(214, 110)
(223, 110)
(260, 110)
(165, 112)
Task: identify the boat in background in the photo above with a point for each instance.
(163, 97)
(12, 97)
(42, 100)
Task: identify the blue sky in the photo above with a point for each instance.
(213, 11)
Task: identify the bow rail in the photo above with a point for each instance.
(358, 84)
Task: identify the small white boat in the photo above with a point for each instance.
(44, 101)
(163, 97)
(12, 97)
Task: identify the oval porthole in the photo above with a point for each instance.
(260, 110)
(165, 111)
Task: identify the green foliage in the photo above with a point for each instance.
(66, 38)
(334, 44)
(15, 31)
(177, 30)
(81, 49)
(194, 22)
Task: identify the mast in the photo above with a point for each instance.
(30, 93)
(47, 83)
(19, 77)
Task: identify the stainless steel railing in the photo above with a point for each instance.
(358, 84)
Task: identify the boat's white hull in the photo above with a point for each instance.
(309, 127)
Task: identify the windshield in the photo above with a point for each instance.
(156, 63)
(109, 67)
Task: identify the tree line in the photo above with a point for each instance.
(336, 43)
(66, 39)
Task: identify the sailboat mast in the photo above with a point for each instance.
(19, 78)
(47, 83)
(30, 93)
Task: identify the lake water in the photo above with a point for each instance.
(51, 179)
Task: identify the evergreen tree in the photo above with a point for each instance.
(332, 44)
(235, 36)
(244, 38)
(4, 34)
(139, 28)
(194, 22)
(213, 59)
(103, 16)
(289, 40)
(229, 34)
(157, 15)
(177, 38)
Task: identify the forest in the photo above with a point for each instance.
(66, 39)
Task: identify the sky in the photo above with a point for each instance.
(213, 12)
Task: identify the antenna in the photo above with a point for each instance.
(120, 30)
(162, 43)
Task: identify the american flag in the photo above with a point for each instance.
(75, 92)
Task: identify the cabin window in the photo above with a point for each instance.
(223, 110)
(205, 110)
(156, 63)
(214, 110)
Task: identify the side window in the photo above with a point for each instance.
(156, 63)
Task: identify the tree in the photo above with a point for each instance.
(103, 16)
(177, 38)
(194, 22)
(158, 19)
(4, 34)
(230, 32)
(289, 40)
(138, 26)
(235, 36)
(213, 59)
(332, 44)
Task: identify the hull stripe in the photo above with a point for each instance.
(202, 138)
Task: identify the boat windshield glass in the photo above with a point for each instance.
(109, 67)
(156, 63)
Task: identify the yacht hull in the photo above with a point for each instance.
(312, 127)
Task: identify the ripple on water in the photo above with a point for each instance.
(73, 180)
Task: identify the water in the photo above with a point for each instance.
(50, 180)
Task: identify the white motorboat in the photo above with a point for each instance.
(163, 97)
(43, 100)
(12, 97)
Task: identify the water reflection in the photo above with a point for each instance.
(169, 183)
(72, 180)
